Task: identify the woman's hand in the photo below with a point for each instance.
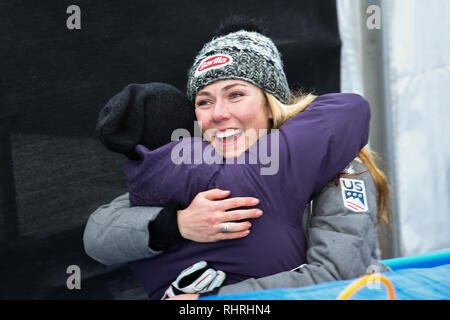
(202, 220)
(185, 296)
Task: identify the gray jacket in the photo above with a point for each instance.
(342, 243)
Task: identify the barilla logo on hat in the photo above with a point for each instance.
(214, 62)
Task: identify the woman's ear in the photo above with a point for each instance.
(269, 117)
(268, 108)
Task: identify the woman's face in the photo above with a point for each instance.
(232, 113)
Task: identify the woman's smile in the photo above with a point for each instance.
(228, 137)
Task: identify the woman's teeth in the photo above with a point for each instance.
(227, 134)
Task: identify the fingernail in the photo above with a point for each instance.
(259, 213)
(254, 201)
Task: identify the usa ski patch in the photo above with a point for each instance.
(354, 194)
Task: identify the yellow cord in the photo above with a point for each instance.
(359, 283)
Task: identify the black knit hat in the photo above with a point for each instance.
(144, 114)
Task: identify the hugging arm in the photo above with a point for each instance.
(313, 147)
(341, 243)
(116, 233)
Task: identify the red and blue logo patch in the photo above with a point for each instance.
(354, 194)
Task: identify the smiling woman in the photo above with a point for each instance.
(233, 115)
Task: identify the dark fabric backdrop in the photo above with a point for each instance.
(53, 170)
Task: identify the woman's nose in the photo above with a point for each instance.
(221, 111)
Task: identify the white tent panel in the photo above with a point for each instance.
(417, 47)
(348, 18)
(419, 33)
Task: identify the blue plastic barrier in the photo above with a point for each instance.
(421, 277)
(427, 260)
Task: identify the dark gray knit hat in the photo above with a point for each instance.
(144, 114)
(244, 55)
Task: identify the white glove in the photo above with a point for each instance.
(197, 278)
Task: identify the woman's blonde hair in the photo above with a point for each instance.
(299, 102)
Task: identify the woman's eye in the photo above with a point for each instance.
(235, 95)
(202, 103)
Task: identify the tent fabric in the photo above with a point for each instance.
(416, 53)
